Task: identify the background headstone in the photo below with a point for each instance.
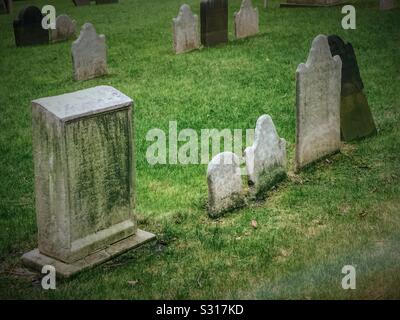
(84, 179)
(311, 2)
(89, 54)
(185, 30)
(28, 29)
(224, 184)
(318, 104)
(5, 6)
(106, 1)
(386, 4)
(356, 119)
(65, 29)
(81, 2)
(246, 20)
(214, 22)
(266, 158)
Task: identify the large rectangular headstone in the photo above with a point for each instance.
(214, 22)
(318, 104)
(28, 28)
(84, 179)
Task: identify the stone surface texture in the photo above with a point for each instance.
(185, 31)
(266, 158)
(224, 184)
(356, 119)
(84, 172)
(214, 22)
(246, 20)
(28, 29)
(65, 29)
(318, 83)
(89, 55)
(386, 4)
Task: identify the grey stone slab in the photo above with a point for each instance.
(386, 5)
(84, 172)
(224, 184)
(185, 31)
(36, 260)
(65, 29)
(89, 57)
(266, 158)
(318, 84)
(246, 20)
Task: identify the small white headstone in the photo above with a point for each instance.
(224, 183)
(186, 34)
(318, 104)
(65, 29)
(246, 20)
(266, 158)
(89, 54)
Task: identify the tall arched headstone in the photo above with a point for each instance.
(318, 83)
(89, 56)
(214, 22)
(28, 28)
(356, 119)
(185, 30)
(246, 20)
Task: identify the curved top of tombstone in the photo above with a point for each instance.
(246, 4)
(30, 15)
(185, 13)
(226, 158)
(88, 34)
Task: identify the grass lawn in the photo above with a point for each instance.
(344, 211)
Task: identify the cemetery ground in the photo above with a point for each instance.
(343, 210)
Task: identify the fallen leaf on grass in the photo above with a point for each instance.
(254, 224)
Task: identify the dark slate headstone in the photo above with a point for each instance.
(5, 6)
(28, 29)
(106, 1)
(356, 119)
(78, 3)
(214, 22)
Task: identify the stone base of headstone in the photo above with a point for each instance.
(36, 260)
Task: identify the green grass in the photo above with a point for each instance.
(337, 212)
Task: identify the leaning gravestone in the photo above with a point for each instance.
(78, 3)
(65, 29)
(214, 22)
(224, 184)
(106, 1)
(356, 119)
(186, 35)
(84, 180)
(246, 20)
(89, 54)
(28, 29)
(386, 5)
(318, 104)
(266, 158)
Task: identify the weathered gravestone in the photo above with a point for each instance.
(224, 184)
(356, 119)
(81, 2)
(318, 104)
(106, 1)
(386, 4)
(65, 29)
(312, 3)
(186, 35)
(214, 22)
(84, 180)
(89, 56)
(28, 29)
(5, 6)
(266, 158)
(246, 20)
